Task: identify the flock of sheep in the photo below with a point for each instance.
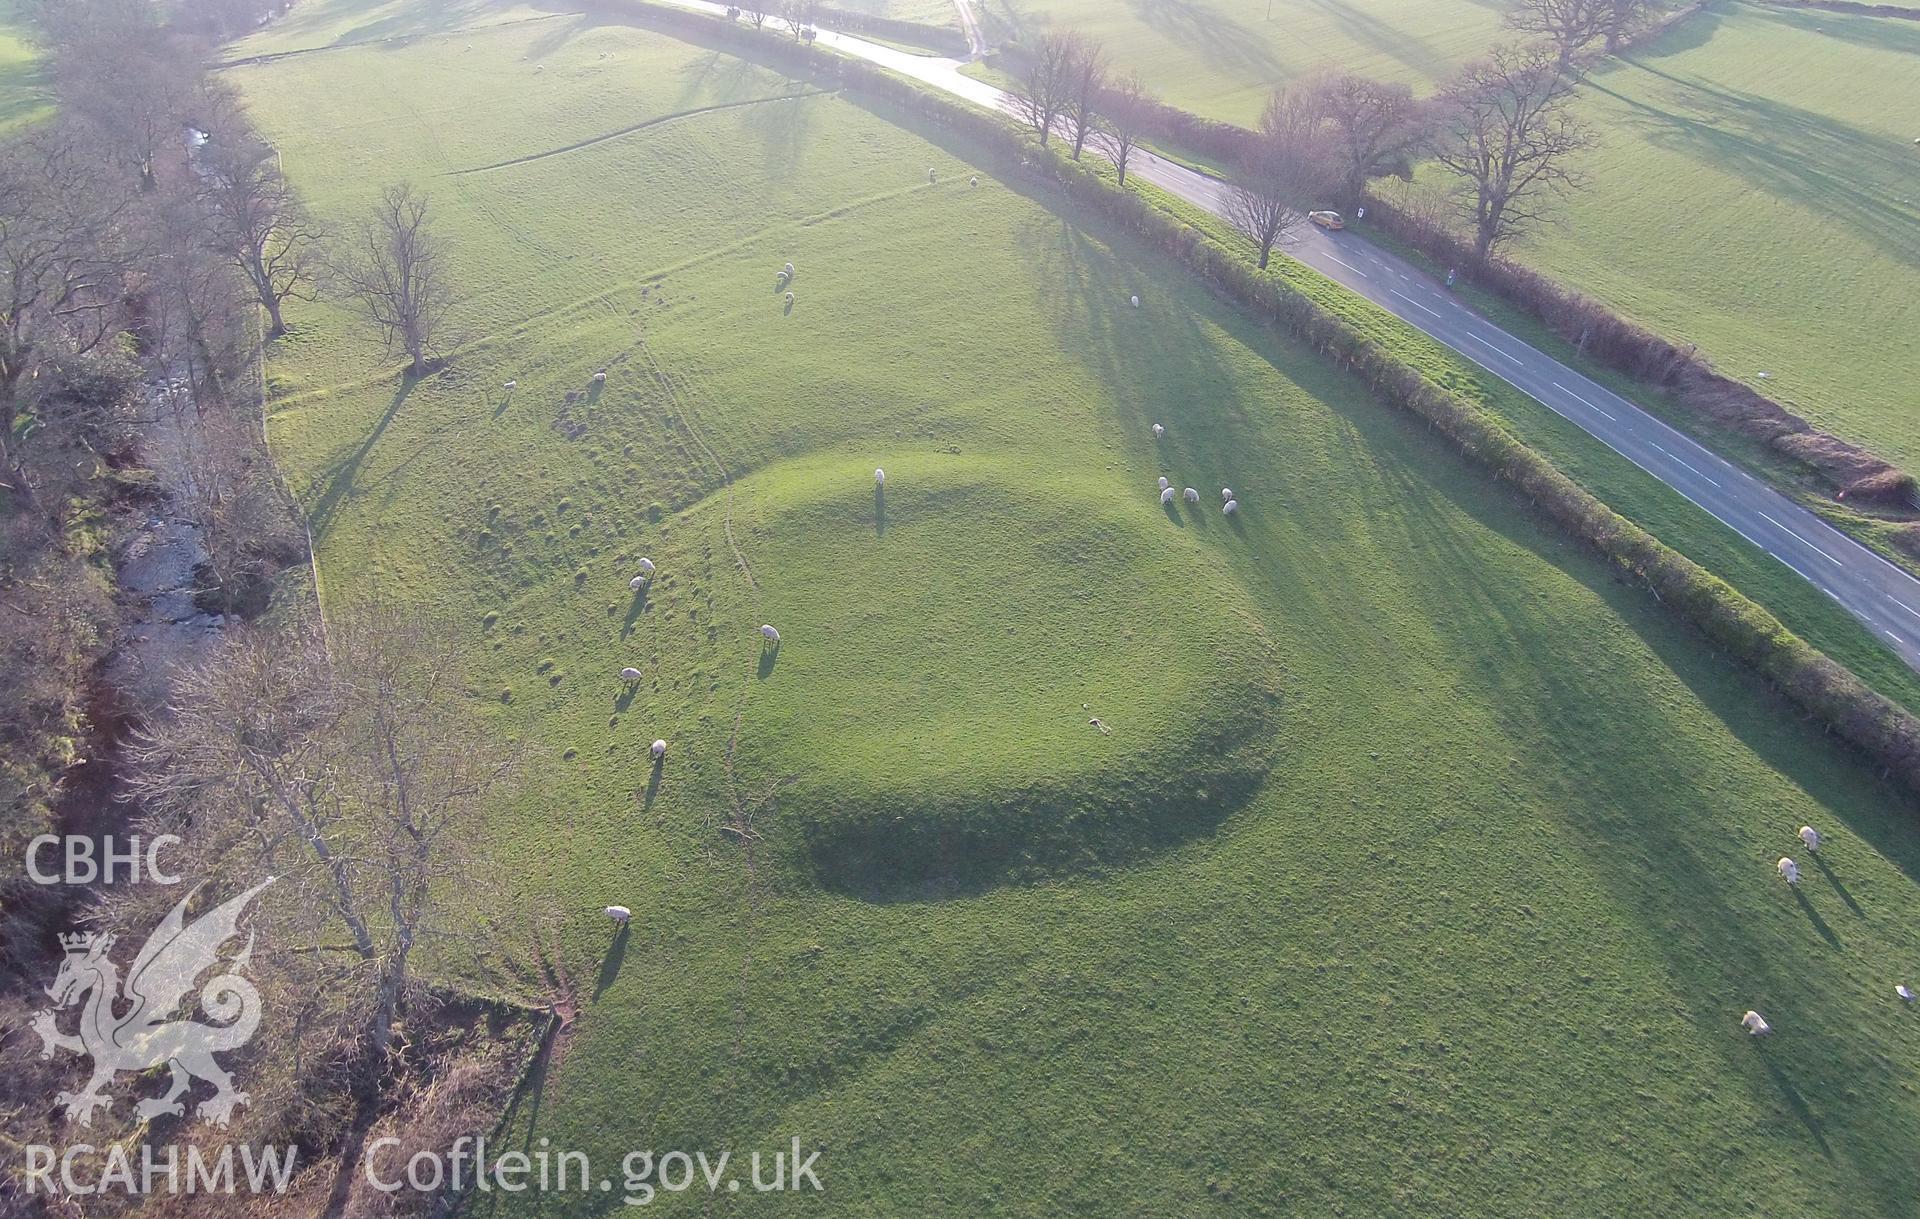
(1756, 1024)
(1228, 504)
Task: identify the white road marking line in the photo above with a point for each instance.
(1903, 605)
(1582, 401)
(1804, 542)
(1890, 635)
(1416, 304)
(1349, 266)
(1476, 338)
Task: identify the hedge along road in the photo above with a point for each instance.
(1873, 590)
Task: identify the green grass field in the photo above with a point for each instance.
(1758, 193)
(1221, 58)
(23, 96)
(1477, 944)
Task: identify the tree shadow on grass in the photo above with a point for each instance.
(611, 963)
(340, 479)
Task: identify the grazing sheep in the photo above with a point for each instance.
(879, 478)
(787, 270)
(1136, 302)
(789, 298)
(1226, 493)
(1811, 837)
(511, 386)
(619, 914)
(1755, 1024)
(631, 675)
(1166, 496)
(659, 750)
(539, 67)
(645, 566)
(637, 583)
(600, 376)
(1904, 993)
(974, 181)
(1158, 431)
(1789, 870)
(1190, 495)
(930, 173)
(770, 635)
(1164, 484)
(1230, 507)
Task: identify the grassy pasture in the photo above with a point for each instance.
(22, 92)
(1477, 945)
(1758, 193)
(1221, 58)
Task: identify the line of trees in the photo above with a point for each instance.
(1502, 127)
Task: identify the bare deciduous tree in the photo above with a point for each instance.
(1086, 82)
(1373, 128)
(397, 271)
(60, 271)
(258, 221)
(756, 12)
(1125, 109)
(1569, 26)
(1276, 183)
(1041, 96)
(799, 16)
(1505, 129)
(1624, 18)
(339, 762)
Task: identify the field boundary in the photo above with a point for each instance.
(1820, 686)
(626, 131)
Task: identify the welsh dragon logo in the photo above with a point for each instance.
(143, 1034)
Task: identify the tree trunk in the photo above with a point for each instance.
(275, 325)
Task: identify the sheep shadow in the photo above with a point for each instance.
(506, 400)
(653, 785)
(879, 509)
(769, 654)
(1837, 886)
(594, 390)
(786, 309)
(615, 958)
(639, 606)
(625, 697)
(1172, 509)
(1813, 916)
(1801, 1109)
(781, 282)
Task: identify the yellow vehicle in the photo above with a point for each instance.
(1327, 220)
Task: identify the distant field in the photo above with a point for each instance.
(1221, 58)
(1758, 193)
(927, 12)
(22, 92)
(1478, 943)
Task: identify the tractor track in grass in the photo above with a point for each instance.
(602, 138)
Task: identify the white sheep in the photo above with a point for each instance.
(631, 675)
(770, 635)
(1230, 507)
(511, 386)
(1158, 431)
(1789, 870)
(879, 478)
(1811, 837)
(637, 583)
(974, 181)
(619, 914)
(1166, 496)
(1136, 302)
(1226, 493)
(659, 750)
(600, 376)
(1755, 1024)
(930, 173)
(787, 270)
(789, 298)
(646, 566)
(1164, 484)
(539, 67)
(1190, 495)
(1904, 992)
